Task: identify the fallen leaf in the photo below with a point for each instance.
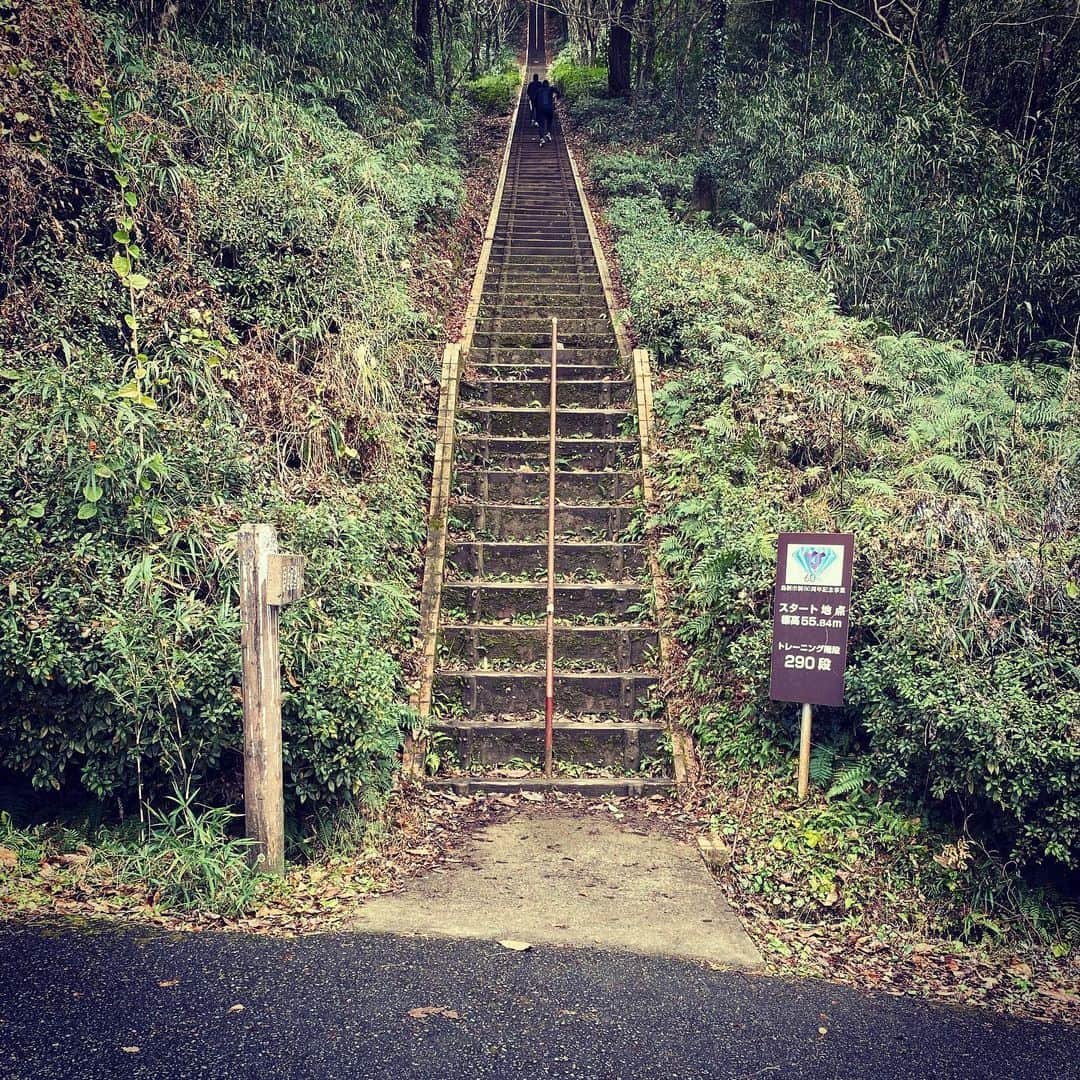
(174, 982)
(532, 796)
(8, 857)
(130, 1049)
(515, 946)
(235, 1009)
(1059, 995)
(422, 1012)
(823, 1031)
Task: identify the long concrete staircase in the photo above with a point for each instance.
(485, 689)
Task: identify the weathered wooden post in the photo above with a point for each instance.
(268, 580)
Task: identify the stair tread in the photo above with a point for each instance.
(538, 585)
(606, 673)
(542, 544)
(538, 628)
(636, 785)
(558, 725)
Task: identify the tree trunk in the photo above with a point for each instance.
(1042, 92)
(941, 31)
(619, 49)
(713, 68)
(648, 45)
(422, 41)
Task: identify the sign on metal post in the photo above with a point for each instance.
(811, 615)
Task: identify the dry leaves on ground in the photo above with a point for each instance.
(425, 1011)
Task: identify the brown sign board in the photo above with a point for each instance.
(284, 579)
(811, 615)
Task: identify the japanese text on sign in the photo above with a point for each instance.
(811, 608)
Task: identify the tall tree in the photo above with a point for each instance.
(620, 41)
(941, 31)
(422, 40)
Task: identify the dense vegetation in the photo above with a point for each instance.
(213, 226)
(851, 243)
(750, 198)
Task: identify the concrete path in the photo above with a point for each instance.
(566, 880)
(99, 1003)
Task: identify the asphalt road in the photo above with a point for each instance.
(72, 1000)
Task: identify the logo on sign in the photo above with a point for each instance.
(815, 564)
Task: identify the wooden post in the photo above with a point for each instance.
(264, 799)
(804, 751)
(549, 691)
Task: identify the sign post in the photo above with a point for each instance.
(268, 580)
(811, 616)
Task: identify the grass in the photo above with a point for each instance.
(188, 859)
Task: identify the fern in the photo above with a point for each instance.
(1069, 922)
(822, 762)
(850, 779)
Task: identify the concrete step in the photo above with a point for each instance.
(510, 452)
(540, 338)
(623, 746)
(483, 600)
(502, 288)
(549, 249)
(573, 562)
(603, 356)
(541, 322)
(611, 695)
(522, 304)
(511, 420)
(618, 647)
(590, 787)
(503, 521)
(541, 279)
(539, 373)
(570, 393)
(531, 486)
(542, 225)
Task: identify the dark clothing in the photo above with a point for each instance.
(545, 118)
(531, 91)
(545, 108)
(545, 98)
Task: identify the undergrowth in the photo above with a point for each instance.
(208, 317)
(956, 478)
(186, 858)
(497, 90)
(956, 470)
(917, 211)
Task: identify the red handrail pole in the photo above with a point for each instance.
(549, 696)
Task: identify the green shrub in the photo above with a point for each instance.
(955, 477)
(621, 175)
(221, 331)
(496, 92)
(574, 80)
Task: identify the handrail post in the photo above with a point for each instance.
(549, 695)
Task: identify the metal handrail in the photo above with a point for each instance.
(549, 694)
